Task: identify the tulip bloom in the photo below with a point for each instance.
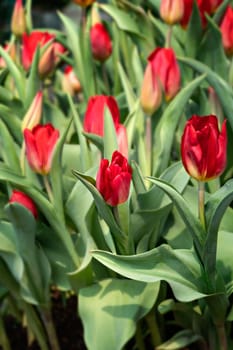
(49, 58)
(24, 200)
(203, 147)
(226, 28)
(151, 94)
(94, 116)
(204, 6)
(101, 44)
(18, 20)
(113, 180)
(171, 11)
(40, 143)
(165, 67)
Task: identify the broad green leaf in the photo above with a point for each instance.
(192, 222)
(225, 259)
(9, 149)
(180, 268)
(119, 304)
(17, 75)
(12, 122)
(193, 33)
(105, 212)
(167, 125)
(110, 138)
(215, 208)
(180, 340)
(129, 93)
(122, 19)
(223, 90)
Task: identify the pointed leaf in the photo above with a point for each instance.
(110, 138)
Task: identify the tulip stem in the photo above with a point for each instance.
(48, 188)
(148, 143)
(169, 36)
(201, 203)
(22, 158)
(47, 318)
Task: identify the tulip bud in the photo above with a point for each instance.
(24, 200)
(33, 115)
(165, 67)
(101, 44)
(83, 3)
(171, 11)
(40, 144)
(113, 180)
(18, 20)
(94, 116)
(151, 94)
(47, 62)
(70, 82)
(227, 31)
(204, 147)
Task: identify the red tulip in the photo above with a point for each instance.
(49, 58)
(204, 6)
(171, 11)
(113, 180)
(165, 67)
(24, 200)
(94, 116)
(70, 82)
(122, 139)
(203, 147)
(101, 44)
(214, 4)
(226, 28)
(40, 143)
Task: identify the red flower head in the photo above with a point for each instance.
(24, 200)
(204, 6)
(101, 44)
(203, 147)
(166, 69)
(113, 180)
(94, 116)
(40, 144)
(226, 28)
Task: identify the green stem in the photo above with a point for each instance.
(22, 158)
(148, 143)
(48, 188)
(153, 327)
(139, 338)
(201, 203)
(4, 341)
(169, 37)
(50, 328)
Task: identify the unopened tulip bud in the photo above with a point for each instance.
(171, 11)
(151, 94)
(101, 44)
(47, 62)
(34, 113)
(25, 201)
(70, 82)
(122, 140)
(18, 20)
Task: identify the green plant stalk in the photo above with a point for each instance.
(148, 143)
(47, 319)
(139, 338)
(221, 331)
(169, 36)
(48, 188)
(153, 327)
(201, 203)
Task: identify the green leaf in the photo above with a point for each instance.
(193, 33)
(33, 81)
(110, 138)
(12, 122)
(180, 268)
(123, 19)
(129, 93)
(119, 304)
(167, 125)
(223, 90)
(180, 340)
(9, 148)
(15, 72)
(215, 209)
(192, 222)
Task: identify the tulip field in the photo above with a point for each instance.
(116, 166)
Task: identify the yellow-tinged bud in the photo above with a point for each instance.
(47, 62)
(83, 3)
(171, 11)
(18, 20)
(34, 113)
(151, 94)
